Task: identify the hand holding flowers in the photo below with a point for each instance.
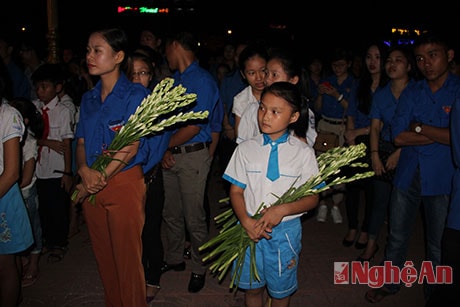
(236, 236)
(145, 121)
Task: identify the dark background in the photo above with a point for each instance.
(307, 26)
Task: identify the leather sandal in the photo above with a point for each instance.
(57, 254)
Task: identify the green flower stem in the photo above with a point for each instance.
(230, 245)
(163, 100)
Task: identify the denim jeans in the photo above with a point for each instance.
(403, 213)
(31, 200)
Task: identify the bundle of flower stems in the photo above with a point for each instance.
(230, 245)
(164, 99)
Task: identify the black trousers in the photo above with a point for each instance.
(152, 252)
(54, 206)
(447, 295)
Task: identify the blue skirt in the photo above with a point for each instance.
(15, 230)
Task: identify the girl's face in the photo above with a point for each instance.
(397, 66)
(254, 72)
(100, 57)
(276, 73)
(141, 73)
(274, 115)
(372, 60)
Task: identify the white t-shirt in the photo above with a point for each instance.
(242, 100)
(68, 102)
(60, 129)
(29, 151)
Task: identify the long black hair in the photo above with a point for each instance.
(29, 111)
(363, 93)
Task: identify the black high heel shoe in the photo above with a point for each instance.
(359, 245)
(361, 259)
(348, 243)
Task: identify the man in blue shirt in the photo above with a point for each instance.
(187, 161)
(447, 295)
(425, 169)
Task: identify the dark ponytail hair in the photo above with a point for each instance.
(118, 40)
(30, 112)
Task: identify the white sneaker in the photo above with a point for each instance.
(322, 213)
(336, 216)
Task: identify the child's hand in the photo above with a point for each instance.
(271, 217)
(66, 183)
(58, 146)
(253, 229)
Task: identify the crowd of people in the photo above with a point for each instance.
(56, 119)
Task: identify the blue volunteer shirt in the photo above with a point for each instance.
(153, 149)
(231, 85)
(331, 107)
(453, 218)
(200, 81)
(383, 108)
(418, 104)
(99, 121)
(361, 119)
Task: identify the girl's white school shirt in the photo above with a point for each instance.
(247, 169)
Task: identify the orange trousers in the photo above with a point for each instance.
(115, 224)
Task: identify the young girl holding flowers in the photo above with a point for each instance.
(278, 231)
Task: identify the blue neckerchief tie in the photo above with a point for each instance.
(273, 171)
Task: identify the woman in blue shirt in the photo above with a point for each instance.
(116, 219)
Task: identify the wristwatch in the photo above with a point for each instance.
(418, 128)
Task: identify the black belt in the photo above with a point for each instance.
(188, 148)
(334, 122)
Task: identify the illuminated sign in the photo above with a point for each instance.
(142, 10)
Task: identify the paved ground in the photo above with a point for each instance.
(75, 281)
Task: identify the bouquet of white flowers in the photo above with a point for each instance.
(163, 100)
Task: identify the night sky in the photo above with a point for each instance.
(319, 27)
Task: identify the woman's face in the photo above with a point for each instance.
(372, 60)
(396, 65)
(100, 57)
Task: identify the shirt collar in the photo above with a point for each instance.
(281, 139)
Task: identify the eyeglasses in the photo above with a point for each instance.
(140, 74)
(339, 65)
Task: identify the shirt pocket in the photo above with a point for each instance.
(254, 173)
(289, 175)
